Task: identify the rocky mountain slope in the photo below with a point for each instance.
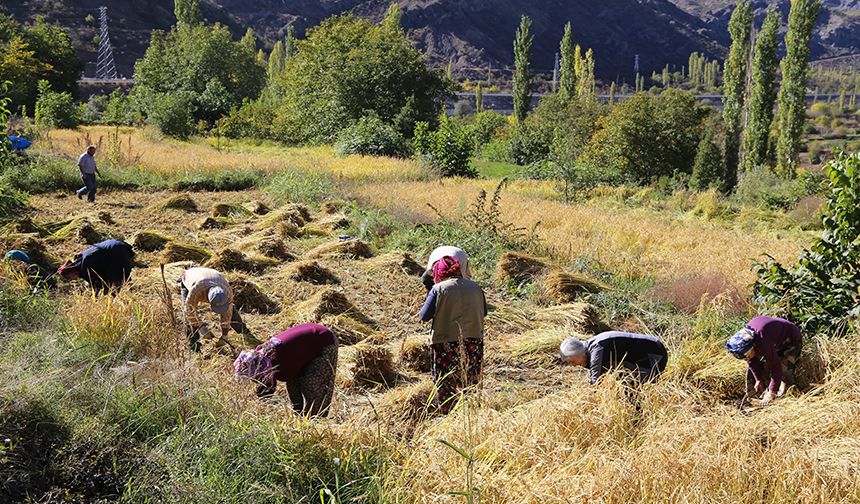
(472, 34)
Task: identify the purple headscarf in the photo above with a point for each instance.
(254, 364)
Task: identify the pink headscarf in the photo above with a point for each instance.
(446, 267)
(254, 364)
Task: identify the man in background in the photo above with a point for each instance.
(88, 168)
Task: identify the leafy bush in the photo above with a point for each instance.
(708, 167)
(485, 125)
(121, 110)
(173, 114)
(448, 149)
(648, 137)
(821, 291)
(371, 137)
(764, 188)
(56, 110)
(252, 120)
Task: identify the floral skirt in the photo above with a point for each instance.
(450, 375)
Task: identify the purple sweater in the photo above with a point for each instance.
(771, 335)
(294, 348)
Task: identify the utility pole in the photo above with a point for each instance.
(105, 69)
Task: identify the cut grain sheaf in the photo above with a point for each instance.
(328, 302)
(415, 354)
(516, 267)
(248, 297)
(228, 259)
(398, 261)
(150, 241)
(311, 272)
(373, 365)
(177, 251)
(560, 287)
(230, 210)
(348, 249)
(182, 202)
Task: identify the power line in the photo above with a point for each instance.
(105, 66)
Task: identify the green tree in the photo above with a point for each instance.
(290, 43)
(249, 42)
(448, 149)
(734, 89)
(708, 166)
(479, 99)
(205, 65)
(648, 137)
(585, 78)
(393, 18)
(187, 12)
(56, 110)
(567, 80)
(277, 59)
(763, 94)
(21, 68)
(522, 73)
(792, 91)
(347, 66)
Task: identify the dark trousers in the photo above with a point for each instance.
(235, 323)
(89, 187)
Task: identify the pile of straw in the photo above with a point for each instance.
(292, 214)
(228, 259)
(229, 210)
(559, 286)
(80, 229)
(328, 302)
(215, 223)
(333, 207)
(349, 249)
(35, 248)
(177, 251)
(373, 365)
(348, 330)
(582, 317)
(405, 408)
(398, 261)
(518, 268)
(275, 248)
(150, 241)
(332, 222)
(540, 346)
(248, 297)
(258, 207)
(179, 202)
(415, 354)
(311, 272)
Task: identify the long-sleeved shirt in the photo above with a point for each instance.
(87, 163)
(106, 264)
(456, 306)
(294, 348)
(771, 336)
(637, 352)
(198, 281)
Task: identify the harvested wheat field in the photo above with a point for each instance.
(533, 432)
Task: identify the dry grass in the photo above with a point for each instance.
(415, 354)
(397, 261)
(632, 243)
(350, 249)
(150, 241)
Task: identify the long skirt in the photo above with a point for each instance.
(311, 391)
(450, 375)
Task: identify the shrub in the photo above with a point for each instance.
(762, 187)
(121, 110)
(708, 167)
(448, 149)
(485, 125)
(371, 137)
(254, 119)
(173, 115)
(56, 110)
(820, 291)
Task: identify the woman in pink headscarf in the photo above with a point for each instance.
(304, 357)
(457, 307)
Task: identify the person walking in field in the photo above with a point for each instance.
(440, 252)
(643, 355)
(457, 306)
(205, 285)
(89, 170)
(106, 266)
(304, 357)
(771, 346)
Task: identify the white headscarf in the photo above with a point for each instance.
(457, 253)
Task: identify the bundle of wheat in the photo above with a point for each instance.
(398, 261)
(332, 222)
(24, 225)
(583, 317)
(516, 267)
(328, 302)
(35, 248)
(559, 286)
(373, 365)
(348, 330)
(405, 408)
(347, 249)
(105, 217)
(230, 210)
(333, 207)
(311, 272)
(248, 297)
(292, 214)
(215, 223)
(81, 229)
(150, 241)
(228, 259)
(177, 251)
(415, 354)
(179, 202)
(540, 346)
(258, 207)
(275, 248)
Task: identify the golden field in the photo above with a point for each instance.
(535, 432)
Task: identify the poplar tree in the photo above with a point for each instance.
(393, 20)
(792, 91)
(585, 80)
(567, 81)
(187, 12)
(763, 94)
(276, 60)
(612, 93)
(522, 74)
(479, 99)
(734, 87)
(249, 41)
(290, 43)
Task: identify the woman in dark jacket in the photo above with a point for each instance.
(304, 357)
(105, 266)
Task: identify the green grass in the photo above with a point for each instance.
(494, 169)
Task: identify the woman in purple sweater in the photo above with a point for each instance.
(304, 357)
(772, 347)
